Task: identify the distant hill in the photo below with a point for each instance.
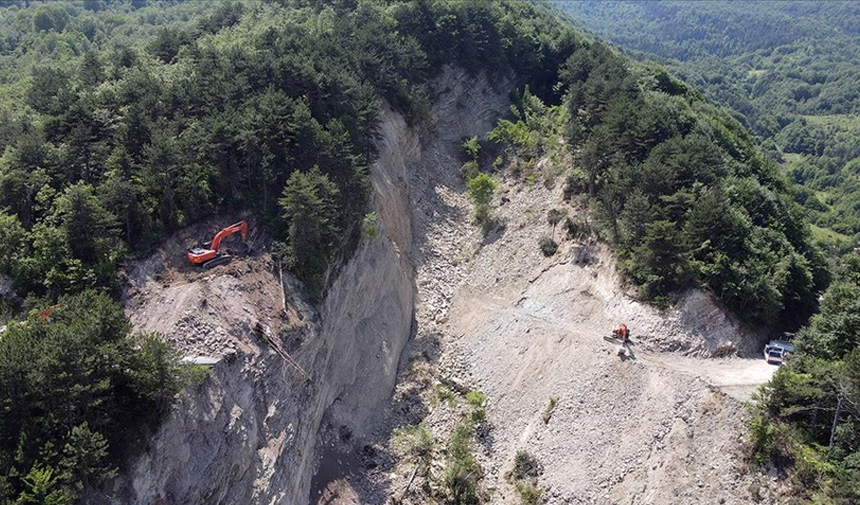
(789, 68)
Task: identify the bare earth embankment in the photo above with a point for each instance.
(493, 314)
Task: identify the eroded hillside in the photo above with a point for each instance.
(494, 315)
(484, 313)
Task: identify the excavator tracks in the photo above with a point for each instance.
(218, 260)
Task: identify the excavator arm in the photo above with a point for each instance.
(240, 227)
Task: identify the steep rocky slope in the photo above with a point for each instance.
(249, 434)
(493, 314)
(487, 313)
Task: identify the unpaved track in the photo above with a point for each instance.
(734, 376)
(647, 429)
(494, 314)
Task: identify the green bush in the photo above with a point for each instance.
(370, 224)
(415, 441)
(470, 170)
(462, 471)
(548, 246)
(524, 476)
(526, 467)
(529, 493)
(471, 148)
(761, 434)
(481, 189)
(475, 398)
(577, 230)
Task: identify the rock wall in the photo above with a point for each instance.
(249, 435)
(254, 433)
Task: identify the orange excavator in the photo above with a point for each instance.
(209, 255)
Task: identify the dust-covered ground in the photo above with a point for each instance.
(210, 313)
(664, 425)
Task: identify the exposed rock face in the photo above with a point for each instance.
(254, 433)
(248, 435)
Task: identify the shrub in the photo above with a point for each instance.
(524, 476)
(194, 376)
(462, 471)
(470, 169)
(576, 230)
(575, 182)
(475, 398)
(548, 246)
(525, 467)
(481, 189)
(529, 493)
(415, 441)
(444, 394)
(471, 148)
(369, 224)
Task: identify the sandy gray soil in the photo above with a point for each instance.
(664, 426)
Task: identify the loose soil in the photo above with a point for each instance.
(663, 426)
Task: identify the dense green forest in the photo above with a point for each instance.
(808, 418)
(114, 135)
(681, 190)
(123, 121)
(789, 69)
(78, 395)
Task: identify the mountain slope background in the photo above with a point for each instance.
(134, 121)
(788, 70)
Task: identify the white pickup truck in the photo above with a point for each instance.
(777, 351)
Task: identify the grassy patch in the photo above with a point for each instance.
(529, 493)
(462, 471)
(444, 394)
(414, 441)
(524, 477)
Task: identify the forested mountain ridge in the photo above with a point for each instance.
(789, 69)
(125, 121)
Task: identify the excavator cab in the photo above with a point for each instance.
(209, 254)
